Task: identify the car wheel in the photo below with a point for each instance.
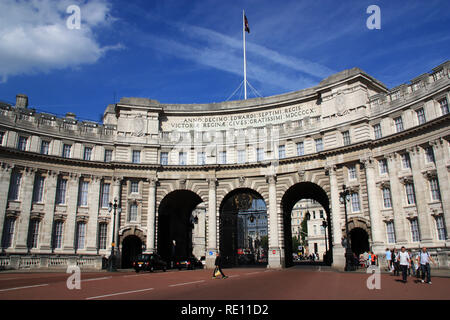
(137, 270)
(164, 269)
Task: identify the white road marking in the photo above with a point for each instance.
(236, 275)
(17, 288)
(96, 279)
(132, 275)
(118, 293)
(8, 279)
(252, 273)
(185, 283)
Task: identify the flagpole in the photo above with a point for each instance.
(245, 61)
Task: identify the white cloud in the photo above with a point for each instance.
(34, 36)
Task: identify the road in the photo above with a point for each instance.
(296, 283)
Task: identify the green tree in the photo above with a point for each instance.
(304, 226)
(295, 243)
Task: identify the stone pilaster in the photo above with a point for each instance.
(26, 197)
(151, 214)
(275, 260)
(338, 250)
(71, 205)
(50, 183)
(212, 223)
(397, 203)
(92, 225)
(5, 178)
(421, 193)
(377, 228)
(441, 152)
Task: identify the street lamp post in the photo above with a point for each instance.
(344, 196)
(112, 258)
(325, 225)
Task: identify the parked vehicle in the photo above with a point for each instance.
(149, 262)
(190, 263)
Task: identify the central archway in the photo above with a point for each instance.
(297, 192)
(243, 228)
(176, 223)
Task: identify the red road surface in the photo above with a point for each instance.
(295, 283)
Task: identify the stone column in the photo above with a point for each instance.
(336, 220)
(92, 224)
(441, 148)
(274, 239)
(5, 177)
(49, 209)
(26, 196)
(397, 203)
(421, 195)
(377, 228)
(151, 214)
(71, 205)
(212, 223)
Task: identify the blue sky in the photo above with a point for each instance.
(190, 51)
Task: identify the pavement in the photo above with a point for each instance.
(295, 283)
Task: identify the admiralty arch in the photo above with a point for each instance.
(188, 178)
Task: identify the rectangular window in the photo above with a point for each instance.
(105, 195)
(383, 166)
(355, 202)
(241, 156)
(321, 214)
(421, 116)
(133, 212)
(201, 158)
(444, 106)
(83, 193)
(352, 172)
(164, 158)
(387, 198)
(406, 161)
(259, 154)
(81, 234)
(429, 154)
(61, 191)
(346, 138)
(390, 231)
(14, 186)
(415, 230)
(136, 157)
(182, 158)
(38, 190)
(34, 233)
(87, 153)
(398, 124)
(442, 234)
(281, 152)
(434, 187)
(134, 187)
(58, 234)
(8, 232)
(377, 131)
(410, 196)
(45, 146)
(108, 155)
(66, 150)
(2, 134)
(222, 157)
(319, 145)
(22, 144)
(102, 235)
(300, 148)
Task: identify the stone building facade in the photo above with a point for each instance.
(171, 168)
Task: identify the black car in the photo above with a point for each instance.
(190, 263)
(149, 262)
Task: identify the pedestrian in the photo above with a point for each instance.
(218, 267)
(417, 264)
(388, 256)
(369, 259)
(396, 266)
(405, 262)
(425, 269)
(366, 257)
(411, 271)
(373, 257)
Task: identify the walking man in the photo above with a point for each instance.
(388, 255)
(218, 267)
(405, 263)
(424, 260)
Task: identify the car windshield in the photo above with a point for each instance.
(144, 257)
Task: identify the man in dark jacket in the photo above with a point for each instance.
(218, 267)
